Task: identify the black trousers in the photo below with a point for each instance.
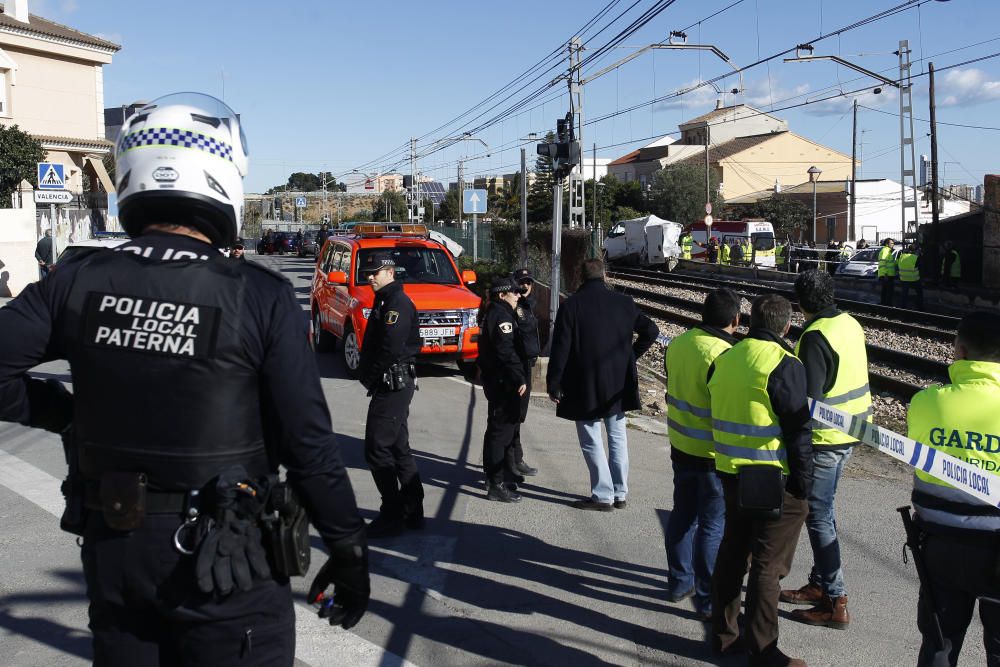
(505, 412)
(517, 453)
(387, 451)
(888, 286)
(768, 548)
(917, 287)
(146, 609)
(960, 572)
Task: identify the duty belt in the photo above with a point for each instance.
(157, 502)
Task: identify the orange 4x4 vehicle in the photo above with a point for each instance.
(342, 298)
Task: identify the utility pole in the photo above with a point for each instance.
(524, 208)
(413, 180)
(556, 254)
(932, 262)
(708, 187)
(577, 201)
(852, 230)
(593, 221)
(906, 141)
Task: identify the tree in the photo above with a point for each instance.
(678, 193)
(304, 182)
(391, 206)
(540, 196)
(506, 203)
(20, 154)
(451, 207)
(786, 214)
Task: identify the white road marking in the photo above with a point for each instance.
(316, 642)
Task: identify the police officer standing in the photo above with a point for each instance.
(887, 271)
(505, 371)
(391, 342)
(960, 548)
(170, 493)
(908, 265)
(527, 326)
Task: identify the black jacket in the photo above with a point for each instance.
(43, 251)
(592, 363)
(502, 360)
(392, 334)
(295, 420)
(527, 325)
(787, 390)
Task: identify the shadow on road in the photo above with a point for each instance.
(72, 641)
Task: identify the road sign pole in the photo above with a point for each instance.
(53, 227)
(475, 237)
(556, 255)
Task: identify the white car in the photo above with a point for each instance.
(106, 240)
(863, 264)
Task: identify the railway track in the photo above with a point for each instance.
(932, 326)
(879, 381)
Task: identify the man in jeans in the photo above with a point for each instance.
(832, 349)
(593, 379)
(695, 525)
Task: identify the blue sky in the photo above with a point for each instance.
(333, 85)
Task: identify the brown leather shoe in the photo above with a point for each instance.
(831, 612)
(808, 594)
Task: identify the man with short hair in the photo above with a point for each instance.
(961, 535)
(763, 454)
(391, 342)
(527, 326)
(832, 350)
(887, 271)
(908, 265)
(695, 525)
(43, 254)
(592, 378)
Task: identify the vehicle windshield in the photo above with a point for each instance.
(763, 241)
(415, 265)
(866, 255)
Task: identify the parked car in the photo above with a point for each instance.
(863, 264)
(309, 247)
(341, 299)
(278, 243)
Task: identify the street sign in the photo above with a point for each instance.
(300, 202)
(708, 208)
(53, 196)
(708, 221)
(474, 201)
(51, 176)
(369, 185)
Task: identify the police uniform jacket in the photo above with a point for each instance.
(392, 334)
(592, 363)
(527, 325)
(502, 359)
(182, 362)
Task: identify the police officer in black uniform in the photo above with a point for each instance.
(527, 326)
(204, 360)
(391, 342)
(505, 368)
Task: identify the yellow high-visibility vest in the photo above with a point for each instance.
(744, 425)
(850, 391)
(689, 414)
(886, 263)
(909, 272)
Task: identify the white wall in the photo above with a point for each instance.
(878, 208)
(18, 238)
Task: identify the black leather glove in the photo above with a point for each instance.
(50, 405)
(231, 550)
(347, 571)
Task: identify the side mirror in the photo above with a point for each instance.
(338, 277)
(468, 277)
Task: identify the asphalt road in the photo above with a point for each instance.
(538, 583)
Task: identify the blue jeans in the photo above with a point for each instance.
(607, 483)
(821, 523)
(694, 531)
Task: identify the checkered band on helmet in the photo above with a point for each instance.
(165, 136)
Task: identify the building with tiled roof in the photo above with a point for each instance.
(52, 86)
(748, 149)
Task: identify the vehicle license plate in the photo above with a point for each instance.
(437, 332)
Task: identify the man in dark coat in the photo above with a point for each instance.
(592, 378)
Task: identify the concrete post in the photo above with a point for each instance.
(991, 233)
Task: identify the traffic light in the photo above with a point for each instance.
(565, 151)
(407, 182)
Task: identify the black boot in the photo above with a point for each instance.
(384, 525)
(500, 493)
(525, 469)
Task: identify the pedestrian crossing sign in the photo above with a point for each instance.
(50, 176)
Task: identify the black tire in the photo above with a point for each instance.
(322, 340)
(351, 352)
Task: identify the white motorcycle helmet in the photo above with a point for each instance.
(181, 159)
